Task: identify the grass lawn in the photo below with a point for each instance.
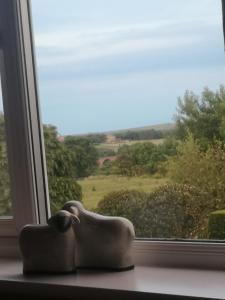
(95, 187)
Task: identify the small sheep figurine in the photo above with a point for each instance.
(49, 248)
(101, 242)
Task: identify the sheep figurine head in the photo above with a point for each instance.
(63, 220)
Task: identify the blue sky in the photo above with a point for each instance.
(105, 65)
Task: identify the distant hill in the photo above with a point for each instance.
(160, 127)
(157, 127)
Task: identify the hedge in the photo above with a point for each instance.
(216, 226)
(171, 211)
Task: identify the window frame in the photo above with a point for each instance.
(29, 191)
(27, 168)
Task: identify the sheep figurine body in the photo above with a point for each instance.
(101, 242)
(49, 248)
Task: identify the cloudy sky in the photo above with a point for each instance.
(114, 64)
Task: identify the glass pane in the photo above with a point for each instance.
(5, 201)
(133, 111)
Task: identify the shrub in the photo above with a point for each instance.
(174, 211)
(204, 170)
(171, 211)
(216, 226)
(63, 189)
(124, 203)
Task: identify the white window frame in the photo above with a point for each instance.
(22, 121)
(29, 190)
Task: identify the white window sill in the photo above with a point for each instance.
(140, 283)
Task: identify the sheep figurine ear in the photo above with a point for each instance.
(49, 248)
(101, 242)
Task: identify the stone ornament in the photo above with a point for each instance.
(49, 248)
(102, 242)
(77, 238)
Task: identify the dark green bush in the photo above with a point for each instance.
(174, 211)
(63, 189)
(216, 226)
(171, 211)
(124, 203)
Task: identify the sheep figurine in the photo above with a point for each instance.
(49, 248)
(101, 242)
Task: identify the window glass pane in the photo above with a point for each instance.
(133, 107)
(5, 201)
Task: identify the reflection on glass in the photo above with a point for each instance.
(5, 202)
(110, 76)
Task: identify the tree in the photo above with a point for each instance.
(84, 155)
(203, 116)
(61, 172)
(204, 170)
(142, 158)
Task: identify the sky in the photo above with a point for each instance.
(107, 65)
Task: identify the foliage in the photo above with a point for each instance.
(63, 189)
(84, 155)
(61, 171)
(134, 135)
(5, 203)
(143, 158)
(93, 138)
(102, 152)
(106, 168)
(146, 134)
(170, 211)
(125, 203)
(204, 170)
(203, 116)
(59, 159)
(216, 226)
(175, 211)
(137, 159)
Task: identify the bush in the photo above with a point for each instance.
(204, 170)
(174, 211)
(124, 203)
(63, 189)
(216, 226)
(171, 211)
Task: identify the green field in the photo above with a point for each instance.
(94, 188)
(116, 145)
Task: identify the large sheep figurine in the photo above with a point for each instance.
(101, 242)
(49, 248)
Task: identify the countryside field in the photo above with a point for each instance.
(117, 144)
(94, 188)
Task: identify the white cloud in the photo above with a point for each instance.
(68, 46)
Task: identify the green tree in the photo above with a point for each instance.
(203, 116)
(204, 170)
(84, 155)
(61, 172)
(142, 158)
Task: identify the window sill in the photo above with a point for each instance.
(140, 283)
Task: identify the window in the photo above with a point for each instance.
(105, 67)
(24, 137)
